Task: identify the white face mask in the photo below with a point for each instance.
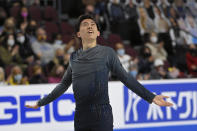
(121, 52)
(11, 42)
(153, 39)
(21, 39)
(18, 77)
(58, 42)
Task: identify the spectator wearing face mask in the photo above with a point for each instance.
(9, 52)
(16, 77)
(123, 57)
(43, 50)
(25, 49)
(59, 56)
(134, 68)
(58, 43)
(56, 74)
(31, 31)
(37, 77)
(157, 47)
(23, 18)
(145, 60)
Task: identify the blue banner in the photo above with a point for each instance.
(183, 112)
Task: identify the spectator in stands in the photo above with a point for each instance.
(158, 72)
(145, 23)
(31, 31)
(131, 16)
(192, 28)
(133, 68)
(173, 13)
(138, 2)
(181, 8)
(145, 60)
(191, 58)
(37, 77)
(2, 77)
(157, 47)
(16, 77)
(25, 49)
(23, 18)
(58, 42)
(192, 6)
(9, 26)
(160, 21)
(131, 11)
(59, 57)
(164, 6)
(174, 72)
(149, 9)
(123, 57)
(56, 74)
(102, 16)
(43, 50)
(3, 16)
(10, 52)
(116, 13)
(177, 36)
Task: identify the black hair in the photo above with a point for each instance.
(83, 17)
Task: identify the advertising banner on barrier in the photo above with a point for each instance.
(130, 111)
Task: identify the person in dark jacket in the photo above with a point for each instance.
(88, 70)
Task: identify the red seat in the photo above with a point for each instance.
(35, 13)
(130, 51)
(101, 41)
(50, 13)
(66, 28)
(66, 38)
(14, 11)
(51, 28)
(8, 70)
(114, 38)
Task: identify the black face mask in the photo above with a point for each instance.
(33, 28)
(170, 1)
(154, 1)
(146, 55)
(138, 1)
(184, 1)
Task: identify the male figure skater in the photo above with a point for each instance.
(88, 71)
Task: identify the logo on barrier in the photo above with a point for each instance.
(183, 97)
(14, 110)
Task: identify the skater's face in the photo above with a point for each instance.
(88, 30)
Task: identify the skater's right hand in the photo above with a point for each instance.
(32, 106)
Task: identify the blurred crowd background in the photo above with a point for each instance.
(154, 39)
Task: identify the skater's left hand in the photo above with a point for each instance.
(159, 100)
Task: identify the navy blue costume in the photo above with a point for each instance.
(88, 71)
